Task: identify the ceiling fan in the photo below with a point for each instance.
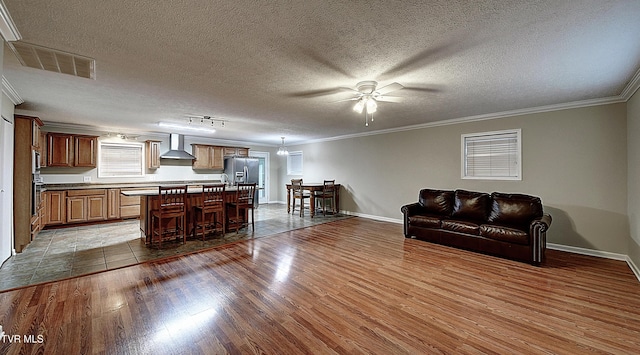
(368, 95)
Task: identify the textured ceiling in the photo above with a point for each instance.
(270, 68)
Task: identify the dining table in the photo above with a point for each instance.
(312, 187)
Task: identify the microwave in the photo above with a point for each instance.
(36, 162)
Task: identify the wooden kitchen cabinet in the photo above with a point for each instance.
(236, 152)
(55, 207)
(130, 206)
(207, 157)
(59, 149)
(153, 154)
(86, 205)
(85, 151)
(68, 150)
(113, 203)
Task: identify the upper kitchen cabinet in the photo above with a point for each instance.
(59, 149)
(68, 150)
(236, 152)
(153, 154)
(85, 151)
(207, 157)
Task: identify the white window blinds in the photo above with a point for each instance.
(294, 163)
(492, 155)
(120, 160)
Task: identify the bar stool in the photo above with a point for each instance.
(244, 200)
(171, 204)
(298, 194)
(328, 193)
(212, 197)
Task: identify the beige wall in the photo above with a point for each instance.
(575, 160)
(633, 185)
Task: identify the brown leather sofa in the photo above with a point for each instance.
(512, 226)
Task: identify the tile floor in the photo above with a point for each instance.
(65, 252)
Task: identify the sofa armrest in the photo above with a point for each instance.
(538, 230)
(412, 209)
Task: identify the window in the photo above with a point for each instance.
(492, 155)
(120, 160)
(294, 163)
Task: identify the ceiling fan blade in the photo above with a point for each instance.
(389, 98)
(351, 99)
(315, 93)
(422, 89)
(389, 88)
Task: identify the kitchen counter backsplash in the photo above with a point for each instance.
(79, 186)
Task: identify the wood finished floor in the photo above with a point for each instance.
(348, 287)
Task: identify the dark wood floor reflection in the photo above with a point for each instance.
(351, 286)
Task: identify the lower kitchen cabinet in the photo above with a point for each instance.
(86, 205)
(113, 203)
(55, 207)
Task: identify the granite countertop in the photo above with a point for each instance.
(124, 185)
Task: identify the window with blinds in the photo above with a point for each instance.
(120, 160)
(294, 163)
(492, 155)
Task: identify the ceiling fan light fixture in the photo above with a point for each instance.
(359, 106)
(372, 105)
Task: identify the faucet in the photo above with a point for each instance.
(224, 178)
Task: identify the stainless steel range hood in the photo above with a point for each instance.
(176, 144)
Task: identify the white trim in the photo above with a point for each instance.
(631, 87)
(634, 268)
(370, 216)
(8, 28)
(585, 251)
(11, 93)
(490, 116)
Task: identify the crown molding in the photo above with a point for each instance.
(11, 93)
(484, 117)
(8, 28)
(631, 87)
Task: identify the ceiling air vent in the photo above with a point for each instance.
(53, 60)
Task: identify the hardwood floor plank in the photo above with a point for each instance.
(352, 286)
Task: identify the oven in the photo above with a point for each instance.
(36, 193)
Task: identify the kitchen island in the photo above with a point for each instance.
(149, 204)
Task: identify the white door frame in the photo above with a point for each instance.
(267, 177)
(6, 187)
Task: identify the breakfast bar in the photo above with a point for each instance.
(149, 204)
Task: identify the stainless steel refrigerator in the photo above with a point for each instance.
(242, 170)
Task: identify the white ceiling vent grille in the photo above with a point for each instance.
(53, 60)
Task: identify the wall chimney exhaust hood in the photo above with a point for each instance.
(176, 144)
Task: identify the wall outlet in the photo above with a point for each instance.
(86, 178)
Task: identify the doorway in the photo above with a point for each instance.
(6, 189)
(263, 175)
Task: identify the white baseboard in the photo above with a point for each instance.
(597, 253)
(585, 251)
(369, 216)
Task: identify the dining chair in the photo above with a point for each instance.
(244, 201)
(171, 205)
(211, 204)
(328, 193)
(298, 194)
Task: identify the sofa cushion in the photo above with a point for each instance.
(460, 226)
(471, 206)
(424, 221)
(505, 234)
(514, 210)
(438, 202)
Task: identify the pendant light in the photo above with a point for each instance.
(282, 150)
